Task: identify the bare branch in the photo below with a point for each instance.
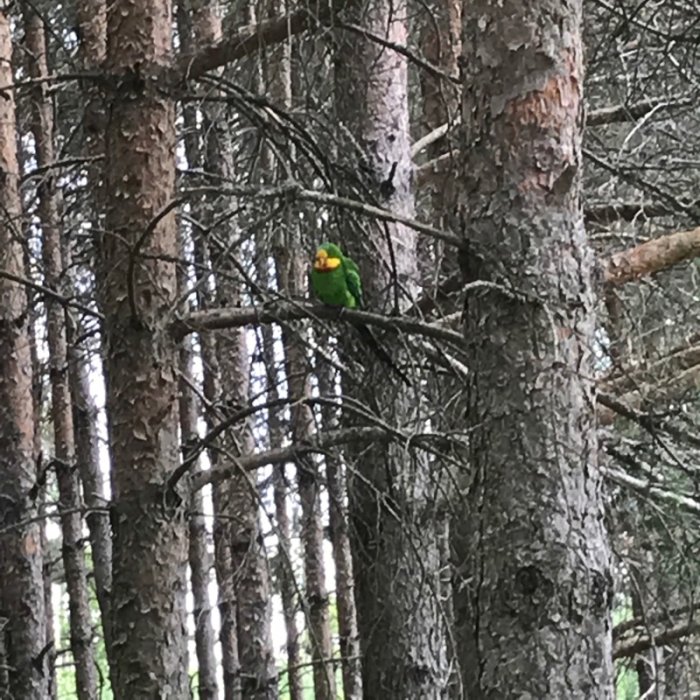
(653, 256)
(623, 113)
(662, 370)
(624, 211)
(50, 294)
(293, 191)
(321, 442)
(672, 634)
(430, 138)
(661, 616)
(646, 486)
(248, 40)
(217, 319)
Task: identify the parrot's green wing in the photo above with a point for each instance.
(353, 280)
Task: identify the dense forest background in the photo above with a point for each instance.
(212, 487)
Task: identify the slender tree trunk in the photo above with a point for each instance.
(237, 503)
(70, 500)
(291, 273)
(198, 24)
(91, 18)
(22, 609)
(392, 497)
(201, 561)
(87, 454)
(534, 588)
(284, 570)
(349, 635)
(150, 537)
(223, 563)
(37, 405)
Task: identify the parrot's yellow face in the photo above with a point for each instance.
(323, 263)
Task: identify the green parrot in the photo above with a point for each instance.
(335, 280)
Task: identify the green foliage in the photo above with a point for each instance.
(626, 682)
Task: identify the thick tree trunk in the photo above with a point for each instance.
(22, 609)
(394, 531)
(534, 587)
(150, 537)
(70, 500)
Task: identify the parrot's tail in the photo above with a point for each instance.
(369, 338)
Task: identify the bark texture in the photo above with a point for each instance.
(653, 256)
(290, 275)
(533, 584)
(70, 500)
(22, 611)
(196, 18)
(201, 560)
(284, 570)
(150, 538)
(393, 524)
(87, 456)
(348, 632)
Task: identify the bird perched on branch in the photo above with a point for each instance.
(336, 281)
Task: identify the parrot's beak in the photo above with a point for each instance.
(323, 263)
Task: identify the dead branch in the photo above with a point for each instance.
(275, 312)
(248, 40)
(640, 644)
(320, 443)
(653, 256)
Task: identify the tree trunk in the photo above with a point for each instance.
(534, 587)
(348, 633)
(91, 18)
(284, 571)
(87, 454)
(150, 537)
(290, 275)
(22, 609)
(201, 561)
(394, 528)
(70, 501)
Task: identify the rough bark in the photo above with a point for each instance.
(22, 609)
(348, 632)
(393, 527)
(70, 500)
(653, 256)
(150, 537)
(291, 273)
(533, 588)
